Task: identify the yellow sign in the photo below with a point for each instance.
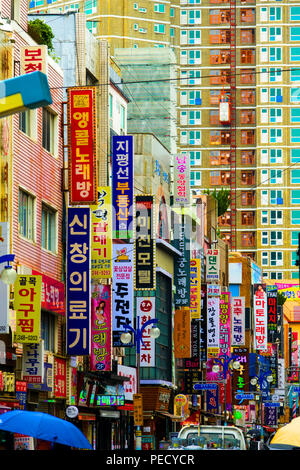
(101, 235)
(138, 409)
(27, 305)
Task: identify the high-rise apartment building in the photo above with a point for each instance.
(248, 54)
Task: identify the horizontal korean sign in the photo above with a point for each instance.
(205, 386)
(122, 186)
(53, 294)
(144, 243)
(82, 145)
(27, 305)
(212, 265)
(78, 306)
(110, 400)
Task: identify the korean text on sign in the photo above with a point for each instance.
(78, 281)
(28, 308)
(82, 137)
(122, 186)
(144, 243)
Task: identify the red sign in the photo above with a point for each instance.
(82, 148)
(52, 295)
(60, 378)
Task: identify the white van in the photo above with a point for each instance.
(210, 437)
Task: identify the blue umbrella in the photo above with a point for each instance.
(44, 426)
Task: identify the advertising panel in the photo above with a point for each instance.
(260, 317)
(182, 179)
(101, 235)
(101, 329)
(27, 305)
(144, 243)
(238, 321)
(145, 308)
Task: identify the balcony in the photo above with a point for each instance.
(248, 137)
(248, 178)
(247, 198)
(248, 239)
(219, 17)
(247, 217)
(219, 77)
(219, 157)
(219, 57)
(247, 15)
(219, 36)
(248, 97)
(219, 178)
(219, 137)
(248, 157)
(247, 77)
(248, 56)
(248, 116)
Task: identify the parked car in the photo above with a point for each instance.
(209, 438)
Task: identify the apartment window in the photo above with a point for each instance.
(276, 95)
(295, 13)
(247, 217)
(276, 218)
(247, 116)
(49, 131)
(247, 36)
(247, 77)
(48, 232)
(195, 157)
(295, 217)
(225, 219)
(195, 97)
(219, 138)
(195, 138)
(295, 155)
(276, 196)
(247, 56)
(295, 115)
(264, 238)
(247, 178)
(194, 77)
(295, 196)
(275, 155)
(276, 238)
(247, 157)
(248, 239)
(90, 7)
(218, 56)
(48, 330)
(172, 12)
(264, 258)
(218, 157)
(219, 178)
(247, 137)
(26, 215)
(295, 95)
(159, 8)
(247, 15)
(195, 178)
(275, 136)
(275, 74)
(275, 54)
(294, 238)
(295, 54)
(247, 198)
(24, 122)
(275, 14)
(275, 34)
(294, 258)
(247, 97)
(159, 28)
(264, 176)
(295, 135)
(295, 176)
(276, 115)
(194, 17)
(194, 118)
(214, 117)
(277, 275)
(295, 75)
(194, 37)
(264, 217)
(194, 57)
(276, 258)
(219, 77)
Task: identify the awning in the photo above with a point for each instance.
(169, 415)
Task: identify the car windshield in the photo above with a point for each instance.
(209, 440)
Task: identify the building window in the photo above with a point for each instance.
(48, 330)
(264, 258)
(295, 54)
(276, 176)
(26, 215)
(295, 13)
(264, 238)
(295, 95)
(276, 238)
(295, 176)
(295, 196)
(48, 232)
(159, 8)
(276, 196)
(276, 218)
(295, 155)
(294, 238)
(295, 135)
(295, 75)
(49, 131)
(295, 217)
(195, 178)
(24, 122)
(275, 14)
(276, 258)
(159, 28)
(264, 217)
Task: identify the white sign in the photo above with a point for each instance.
(122, 286)
(33, 59)
(145, 310)
(238, 321)
(213, 323)
(130, 386)
(4, 288)
(260, 320)
(213, 290)
(212, 265)
(33, 362)
(182, 179)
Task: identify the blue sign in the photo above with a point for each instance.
(244, 396)
(78, 304)
(122, 186)
(272, 404)
(205, 386)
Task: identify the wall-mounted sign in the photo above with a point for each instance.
(238, 321)
(182, 179)
(27, 305)
(212, 265)
(260, 317)
(145, 310)
(100, 358)
(144, 243)
(110, 400)
(33, 59)
(33, 362)
(101, 235)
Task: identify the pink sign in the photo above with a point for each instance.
(101, 328)
(52, 295)
(225, 324)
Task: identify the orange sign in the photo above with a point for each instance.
(138, 409)
(182, 333)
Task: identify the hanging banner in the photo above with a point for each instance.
(33, 59)
(122, 186)
(78, 306)
(213, 322)
(60, 378)
(238, 321)
(27, 304)
(100, 359)
(212, 265)
(101, 235)
(260, 317)
(203, 323)
(225, 323)
(122, 290)
(272, 313)
(4, 288)
(33, 363)
(145, 310)
(182, 262)
(182, 179)
(82, 145)
(212, 399)
(144, 243)
(195, 289)
(182, 333)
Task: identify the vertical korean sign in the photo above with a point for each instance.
(212, 265)
(101, 235)
(122, 186)
(4, 288)
(260, 317)
(27, 305)
(144, 243)
(78, 306)
(33, 362)
(195, 267)
(101, 328)
(82, 145)
(122, 290)
(272, 313)
(238, 321)
(145, 308)
(182, 262)
(213, 324)
(225, 323)
(182, 179)
(33, 59)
